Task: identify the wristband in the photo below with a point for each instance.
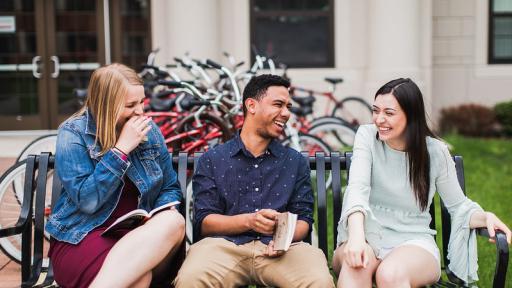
(121, 153)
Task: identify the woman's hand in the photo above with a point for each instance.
(493, 223)
(132, 133)
(355, 253)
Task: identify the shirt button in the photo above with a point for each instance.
(255, 165)
(257, 189)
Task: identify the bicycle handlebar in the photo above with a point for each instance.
(213, 64)
(179, 61)
(172, 84)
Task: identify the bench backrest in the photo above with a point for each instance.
(327, 202)
(324, 166)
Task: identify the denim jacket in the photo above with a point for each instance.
(92, 183)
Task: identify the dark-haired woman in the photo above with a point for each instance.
(397, 166)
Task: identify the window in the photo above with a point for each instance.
(298, 33)
(500, 31)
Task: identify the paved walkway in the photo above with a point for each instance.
(10, 273)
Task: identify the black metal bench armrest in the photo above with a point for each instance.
(16, 229)
(26, 207)
(500, 272)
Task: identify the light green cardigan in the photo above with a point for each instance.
(379, 187)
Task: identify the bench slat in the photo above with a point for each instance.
(321, 201)
(336, 191)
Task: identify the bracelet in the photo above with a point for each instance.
(121, 153)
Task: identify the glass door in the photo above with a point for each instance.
(21, 70)
(78, 48)
(49, 48)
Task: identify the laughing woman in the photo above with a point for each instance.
(111, 159)
(397, 166)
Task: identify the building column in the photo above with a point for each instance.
(181, 26)
(399, 44)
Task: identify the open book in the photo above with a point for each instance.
(285, 229)
(135, 218)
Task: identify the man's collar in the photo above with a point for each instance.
(274, 147)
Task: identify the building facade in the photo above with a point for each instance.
(458, 51)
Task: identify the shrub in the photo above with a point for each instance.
(503, 113)
(469, 120)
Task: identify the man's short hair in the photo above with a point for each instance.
(258, 86)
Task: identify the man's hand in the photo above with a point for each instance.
(263, 221)
(271, 252)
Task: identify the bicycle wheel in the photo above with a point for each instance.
(11, 195)
(194, 138)
(312, 144)
(354, 110)
(309, 143)
(338, 136)
(45, 143)
(326, 119)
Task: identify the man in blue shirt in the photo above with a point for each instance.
(239, 189)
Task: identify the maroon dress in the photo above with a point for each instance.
(77, 265)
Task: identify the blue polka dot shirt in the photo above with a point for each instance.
(229, 180)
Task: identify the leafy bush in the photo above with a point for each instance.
(503, 113)
(469, 120)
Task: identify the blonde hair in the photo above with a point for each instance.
(105, 100)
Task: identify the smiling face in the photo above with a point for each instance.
(133, 104)
(390, 120)
(270, 113)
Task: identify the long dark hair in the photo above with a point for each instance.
(410, 99)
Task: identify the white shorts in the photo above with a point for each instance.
(429, 246)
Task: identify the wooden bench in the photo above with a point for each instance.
(328, 202)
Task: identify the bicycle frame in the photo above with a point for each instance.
(329, 95)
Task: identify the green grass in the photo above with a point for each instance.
(488, 174)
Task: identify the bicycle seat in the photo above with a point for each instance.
(301, 111)
(333, 81)
(162, 105)
(304, 101)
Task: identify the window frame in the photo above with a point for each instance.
(491, 59)
(330, 33)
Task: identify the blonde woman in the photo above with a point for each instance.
(111, 159)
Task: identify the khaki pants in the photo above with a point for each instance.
(216, 262)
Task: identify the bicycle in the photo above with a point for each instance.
(354, 110)
(335, 132)
(45, 143)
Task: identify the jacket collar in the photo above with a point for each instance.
(90, 123)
